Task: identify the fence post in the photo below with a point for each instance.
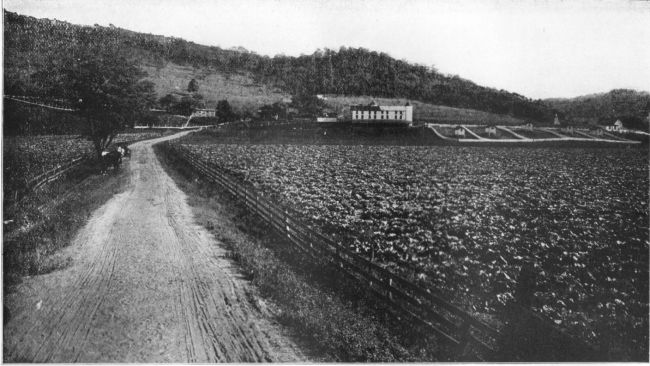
(526, 285)
(517, 341)
(464, 340)
(286, 222)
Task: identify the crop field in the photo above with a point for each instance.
(462, 221)
(33, 155)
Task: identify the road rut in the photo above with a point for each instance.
(146, 284)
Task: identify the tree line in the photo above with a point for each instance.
(350, 71)
(33, 45)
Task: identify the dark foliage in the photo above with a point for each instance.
(275, 111)
(224, 112)
(630, 106)
(78, 65)
(193, 86)
(346, 71)
(308, 104)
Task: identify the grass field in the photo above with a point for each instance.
(240, 90)
(536, 134)
(481, 132)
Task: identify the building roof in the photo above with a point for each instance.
(376, 108)
(365, 108)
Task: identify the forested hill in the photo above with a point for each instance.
(32, 44)
(630, 106)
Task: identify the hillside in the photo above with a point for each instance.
(240, 89)
(248, 79)
(244, 94)
(630, 106)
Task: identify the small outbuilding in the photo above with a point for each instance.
(459, 131)
(491, 131)
(596, 131)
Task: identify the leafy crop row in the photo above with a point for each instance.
(25, 157)
(463, 220)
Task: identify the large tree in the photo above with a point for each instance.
(193, 86)
(308, 104)
(224, 111)
(107, 88)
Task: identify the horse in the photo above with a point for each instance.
(111, 158)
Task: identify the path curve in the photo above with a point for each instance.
(146, 284)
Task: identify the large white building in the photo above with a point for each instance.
(378, 113)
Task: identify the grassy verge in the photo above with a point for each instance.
(334, 315)
(48, 219)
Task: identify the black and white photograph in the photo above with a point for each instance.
(312, 181)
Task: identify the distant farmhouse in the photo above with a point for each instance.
(388, 113)
(204, 113)
(491, 130)
(459, 131)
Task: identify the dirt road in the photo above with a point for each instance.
(146, 284)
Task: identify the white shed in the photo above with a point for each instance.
(617, 127)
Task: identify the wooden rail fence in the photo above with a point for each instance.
(471, 338)
(53, 174)
(46, 177)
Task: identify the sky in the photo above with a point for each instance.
(540, 49)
